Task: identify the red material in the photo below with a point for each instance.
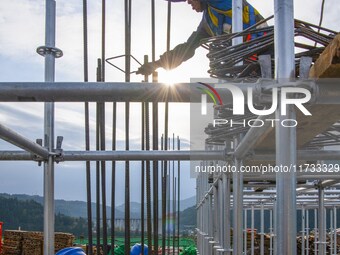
(214, 91)
(1, 223)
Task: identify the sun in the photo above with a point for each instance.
(167, 77)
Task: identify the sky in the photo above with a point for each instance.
(22, 25)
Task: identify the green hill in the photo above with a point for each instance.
(28, 215)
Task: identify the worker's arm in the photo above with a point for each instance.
(173, 58)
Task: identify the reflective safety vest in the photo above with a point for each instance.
(217, 16)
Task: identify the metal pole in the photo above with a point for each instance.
(307, 232)
(127, 5)
(103, 174)
(322, 227)
(113, 177)
(262, 229)
(98, 227)
(245, 231)
(237, 207)
(226, 226)
(22, 142)
(315, 233)
(331, 229)
(271, 232)
(303, 218)
(49, 131)
(335, 231)
(87, 136)
(155, 173)
(285, 137)
(178, 194)
(252, 230)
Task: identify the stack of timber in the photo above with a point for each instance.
(13, 242)
(32, 243)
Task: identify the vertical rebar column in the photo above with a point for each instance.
(127, 123)
(102, 134)
(87, 136)
(285, 137)
(303, 218)
(321, 220)
(49, 131)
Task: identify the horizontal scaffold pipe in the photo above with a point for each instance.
(170, 155)
(121, 155)
(324, 91)
(114, 92)
(22, 142)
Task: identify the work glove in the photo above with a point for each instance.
(148, 68)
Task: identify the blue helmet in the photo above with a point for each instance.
(71, 251)
(137, 249)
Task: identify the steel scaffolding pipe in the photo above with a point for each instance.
(22, 142)
(174, 155)
(108, 92)
(324, 91)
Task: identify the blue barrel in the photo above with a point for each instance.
(137, 249)
(71, 251)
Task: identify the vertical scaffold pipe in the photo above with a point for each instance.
(285, 137)
(237, 207)
(252, 230)
(321, 220)
(178, 193)
(127, 123)
(315, 232)
(102, 132)
(307, 232)
(87, 136)
(237, 21)
(335, 231)
(303, 231)
(226, 227)
(98, 228)
(245, 231)
(262, 229)
(148, 177)
(103, 174)
(155, 172)
(49, 131)
(146, 79)
(113, 177)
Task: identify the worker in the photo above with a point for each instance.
(216, 20)
(71, 251)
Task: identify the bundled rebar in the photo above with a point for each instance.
(241, 61)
